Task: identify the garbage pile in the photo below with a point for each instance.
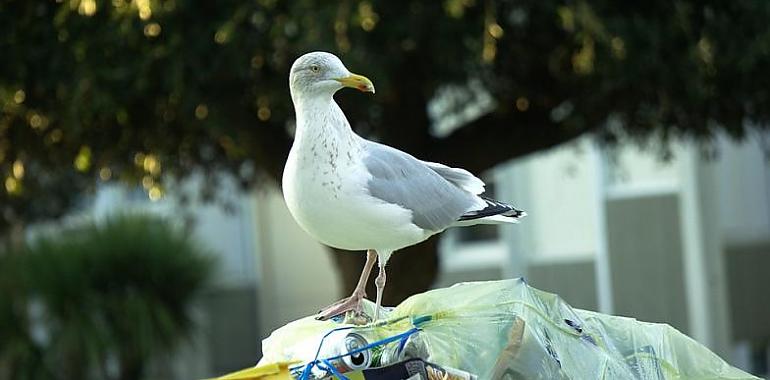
(501, 330)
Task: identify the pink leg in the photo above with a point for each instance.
(379, 282)
(354, 301)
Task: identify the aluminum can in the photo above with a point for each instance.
(414, 347)
(342, 344)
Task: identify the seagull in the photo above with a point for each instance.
(354, 194)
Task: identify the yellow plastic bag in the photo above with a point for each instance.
(508, 330)
(274, 371)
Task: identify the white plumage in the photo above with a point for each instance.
(355, 194)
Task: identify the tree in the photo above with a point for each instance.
(111, 297)
(149, 90)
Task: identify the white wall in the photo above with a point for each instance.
(744, 182)
(297, 277)
(556, 188)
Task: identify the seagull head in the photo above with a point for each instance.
(323, 74)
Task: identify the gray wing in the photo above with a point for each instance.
(460, 177)
(399, 178)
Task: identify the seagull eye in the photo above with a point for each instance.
(315, 68)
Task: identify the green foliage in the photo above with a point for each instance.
(148, 90)
(118, 291)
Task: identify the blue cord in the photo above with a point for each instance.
(330, 367)
(309, 366)
(326, 362)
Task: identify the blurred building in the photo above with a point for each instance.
(269, 271)
(685, 242)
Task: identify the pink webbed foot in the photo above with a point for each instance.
(352, 303)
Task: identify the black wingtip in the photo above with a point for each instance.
(494, 208)
(516, 213)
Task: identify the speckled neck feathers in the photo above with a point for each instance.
(323, 133)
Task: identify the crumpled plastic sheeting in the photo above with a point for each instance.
(508, 330)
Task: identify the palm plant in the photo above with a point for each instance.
(98, 300)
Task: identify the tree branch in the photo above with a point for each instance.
(495, 138)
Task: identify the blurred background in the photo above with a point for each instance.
(143, 234)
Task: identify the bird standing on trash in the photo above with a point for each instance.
(355, 194)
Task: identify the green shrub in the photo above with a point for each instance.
(98, 300)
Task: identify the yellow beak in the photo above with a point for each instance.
(358, 82)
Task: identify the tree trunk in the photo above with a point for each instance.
(410, 270)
